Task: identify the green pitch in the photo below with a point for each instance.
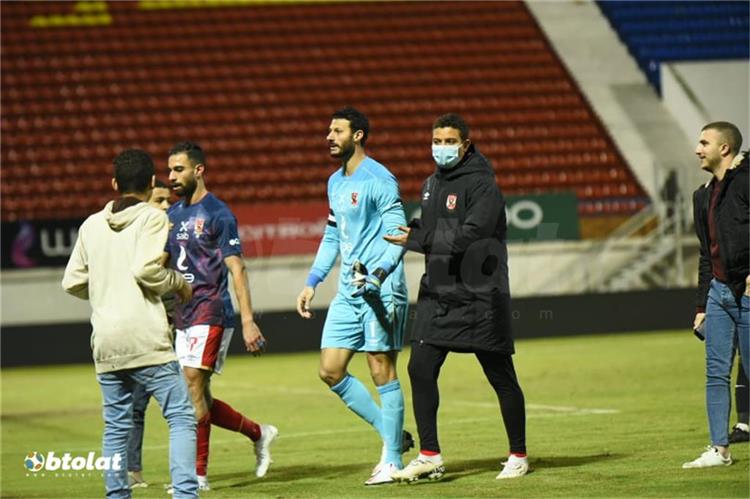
(607, 416)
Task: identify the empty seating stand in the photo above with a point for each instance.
(657, 31)
(256, 85)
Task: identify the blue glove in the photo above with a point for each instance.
(366, 283)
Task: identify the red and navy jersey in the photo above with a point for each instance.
(201, 236)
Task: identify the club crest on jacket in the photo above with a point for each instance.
(450, 202)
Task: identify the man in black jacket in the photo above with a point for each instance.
(720, 211)
(464, 296)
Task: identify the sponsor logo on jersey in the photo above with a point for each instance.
(234, 242)
(450, 202)
(182, 267)
(355, 198)
(181, 259)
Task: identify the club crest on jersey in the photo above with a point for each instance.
(450, 202)
(199, 226)
(355, 198)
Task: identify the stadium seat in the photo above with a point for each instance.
(259, 99)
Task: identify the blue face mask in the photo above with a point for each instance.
(446, 156)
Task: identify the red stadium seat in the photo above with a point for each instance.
(259, 100)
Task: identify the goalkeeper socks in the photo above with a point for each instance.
(392, 402)
(224, 416)
(358, 399)
(201, 457)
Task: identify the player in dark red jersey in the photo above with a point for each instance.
(203, 245)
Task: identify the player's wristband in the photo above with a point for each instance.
(385, 267)
(380, 273)
(313, 280)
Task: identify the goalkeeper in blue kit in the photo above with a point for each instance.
(369, 311)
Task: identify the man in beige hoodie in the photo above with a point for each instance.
(115, 265)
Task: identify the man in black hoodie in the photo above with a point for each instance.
(721, 214)
(464, 296)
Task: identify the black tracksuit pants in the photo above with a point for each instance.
(424, 368)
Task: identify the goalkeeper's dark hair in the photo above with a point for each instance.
(728, 132)
(192, 150)
(160, 184)
(452, 120)
(357, 121)
(134, 169)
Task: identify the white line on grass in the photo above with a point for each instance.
(549, 411)
(555, 410)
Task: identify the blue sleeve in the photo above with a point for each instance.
(328, 251)
(227, 237)
(391, 210)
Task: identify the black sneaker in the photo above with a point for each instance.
(407, 442)
(738, 435)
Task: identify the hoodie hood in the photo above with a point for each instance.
(472, 162)
(119, 220)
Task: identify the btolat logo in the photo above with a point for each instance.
(36, 461)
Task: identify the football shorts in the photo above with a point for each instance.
(203, 346)
(364, 326)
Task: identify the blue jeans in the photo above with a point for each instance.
(167, 385)
(727, 325)
(135, 440)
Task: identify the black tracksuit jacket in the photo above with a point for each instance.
(464, 296)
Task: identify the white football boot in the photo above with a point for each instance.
(422, 467)
(268, 434)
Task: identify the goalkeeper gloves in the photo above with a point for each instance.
(366, 283)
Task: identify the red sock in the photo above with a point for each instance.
(428, 452)
(204, 433)
(518, 454)
(224, 416)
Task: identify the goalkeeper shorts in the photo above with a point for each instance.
(365, 326)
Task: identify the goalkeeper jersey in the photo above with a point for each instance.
(363, 207)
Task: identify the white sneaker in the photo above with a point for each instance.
(268, 434)
(203, 483)
(382, 475)
(710, 458)
(514, 467)
(421, 467)
(136, 481)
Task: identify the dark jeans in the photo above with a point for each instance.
(424, 369)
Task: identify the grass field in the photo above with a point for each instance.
(611, 415)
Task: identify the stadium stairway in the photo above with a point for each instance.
(643, 129)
